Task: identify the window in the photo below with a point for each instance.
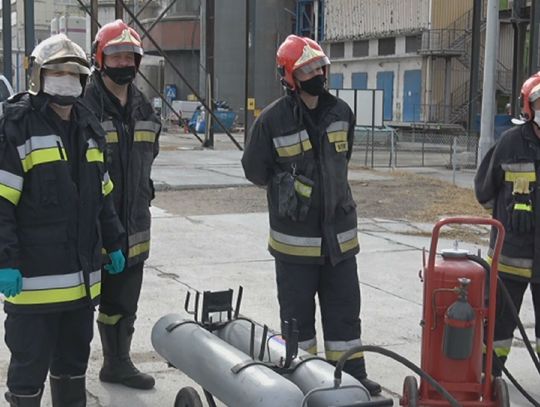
(360, 48)
(337, 50)
(387, 46)
(412, 44)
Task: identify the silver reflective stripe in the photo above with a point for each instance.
(139, 237)
(11, 180)
(310, 343)
(348, 235)
(95, 277)
(147, 125)
(338, 126)
(292, 139)
(38, 143)
(56, 281)
(342, 345)
(106, 177)
(518, 167)
(513, 261)
(92, 143)
(108, 125)
(296, 240)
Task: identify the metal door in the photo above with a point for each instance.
(412, 85)
(359, 80)
(385, 81)
(336, 81)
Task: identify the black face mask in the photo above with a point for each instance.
(314, 86)
(121, 76)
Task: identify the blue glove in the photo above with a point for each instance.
(118, 261)
(10, 282)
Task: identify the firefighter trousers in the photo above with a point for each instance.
(338, 293)
(58, 342)
(120, 292)
(505, 324)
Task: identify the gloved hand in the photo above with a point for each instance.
(118, 261)
(10, 282)
(287, 201)
(303, 187)
(521, 214)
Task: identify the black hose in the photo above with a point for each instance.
(512, 379)
(513, 309)
(404, 361)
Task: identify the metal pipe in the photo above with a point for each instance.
(215, 365)
(6, 34)
(29, 38)
(488, 99)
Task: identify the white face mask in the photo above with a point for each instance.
(65, 85)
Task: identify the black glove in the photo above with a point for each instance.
(303, 187)
(287, 201)
(521, 214)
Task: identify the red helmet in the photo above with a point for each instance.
(298, 53)
(113, 38)
(530, 91)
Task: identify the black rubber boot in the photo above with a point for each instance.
(117, 365)
(68, 391)
(357, 369)
(16, 400)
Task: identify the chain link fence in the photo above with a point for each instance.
(390, 147)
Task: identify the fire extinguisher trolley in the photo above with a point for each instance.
(456, 325)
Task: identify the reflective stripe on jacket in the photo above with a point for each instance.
(132, 145)
(52, 228)
(513, 165)
(279, 143)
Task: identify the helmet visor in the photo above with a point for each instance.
(67, 66)
(126, 47)
(313, 65)
(535, 93)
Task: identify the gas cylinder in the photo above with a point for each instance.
(459, 325)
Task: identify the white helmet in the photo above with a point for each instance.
(59, 53)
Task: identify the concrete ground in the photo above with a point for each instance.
(224, 251)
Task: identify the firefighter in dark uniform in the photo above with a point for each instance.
(132, 144)
(299, 149)
(507, 182)
(56, 214)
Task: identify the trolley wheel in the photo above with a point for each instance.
(500, 393)
(410, 392)
(187, 397)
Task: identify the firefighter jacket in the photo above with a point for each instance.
(53, 224)
(132, 145)
(513, 162)
(316, 217)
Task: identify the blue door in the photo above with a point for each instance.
(412, 85)
(385, 81)
(359, 80)
(336, 81)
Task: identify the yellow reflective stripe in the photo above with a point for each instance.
(109, 319)
(111, 137)
(138, 249)
(523, 207)
(93, 155)
(54, 295)
(294, 250)
(349, 245)
(337, 136)
(312, 350)
(295, 149)
(144, 136)
(107, 187)
(302, 189)
(12, 195)
(41, 157)
(517, 271)
(502, 352)
(512, 176)
(335, 355)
